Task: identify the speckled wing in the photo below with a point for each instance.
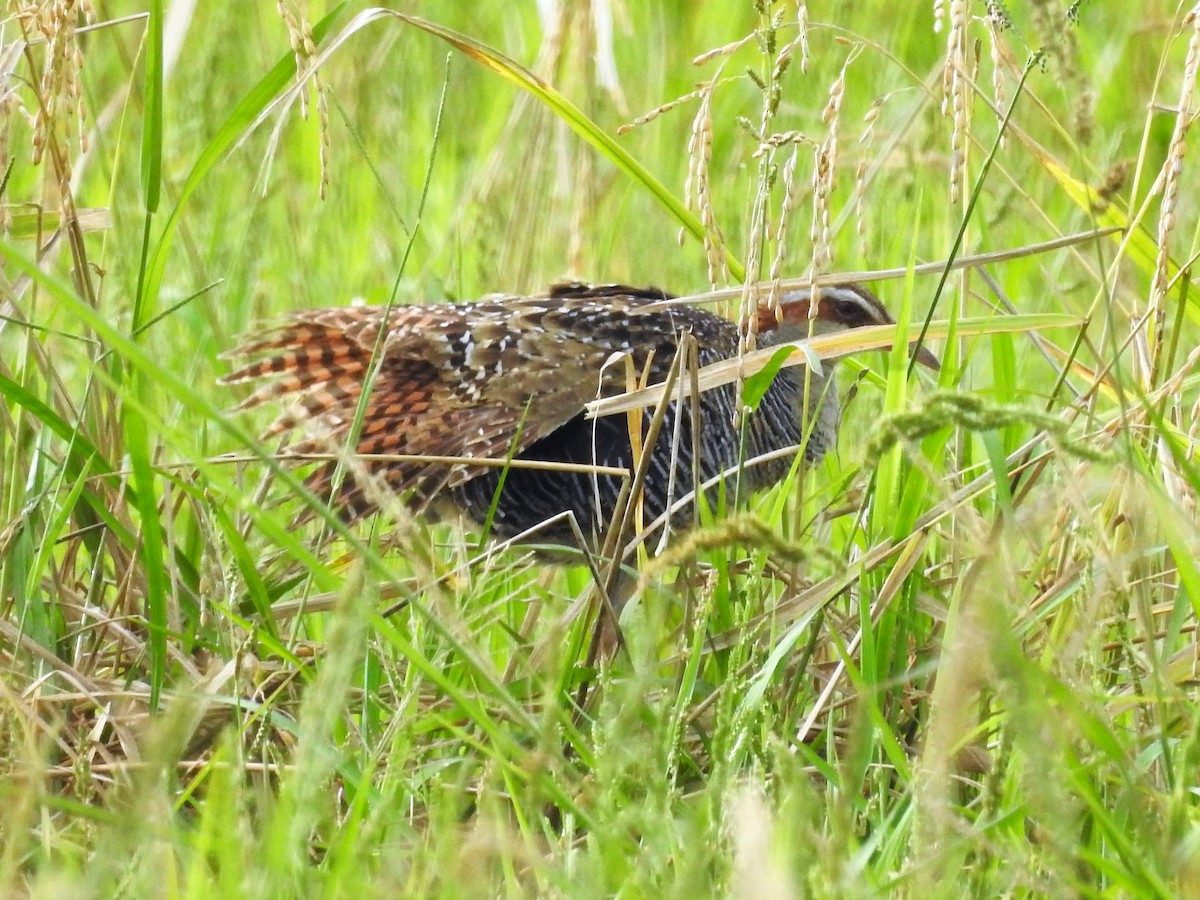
(479, 380)
(485, 381)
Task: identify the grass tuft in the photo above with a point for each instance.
(956, 658)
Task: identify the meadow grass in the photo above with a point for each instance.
(957, 658)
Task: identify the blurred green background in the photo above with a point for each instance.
(957, 668)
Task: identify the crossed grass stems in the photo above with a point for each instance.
(610, 557)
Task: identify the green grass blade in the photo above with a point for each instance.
(591, 133)
(242, 117)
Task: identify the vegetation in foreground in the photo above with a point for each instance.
(958, 657)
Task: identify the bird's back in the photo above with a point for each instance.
(510, 377)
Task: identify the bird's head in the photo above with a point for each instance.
(839, 307)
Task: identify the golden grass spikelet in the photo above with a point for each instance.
(60, 109)
(802, 33)
(956, 96)
(779, 263)
(824, 167)
(665, 108)
(997, 22)
(724, 50)
(801, 40)
(697, 190)
(304, 48)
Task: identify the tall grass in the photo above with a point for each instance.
(958, 657)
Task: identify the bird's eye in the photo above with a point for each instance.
(850, 312)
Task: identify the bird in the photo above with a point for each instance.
(457, 387)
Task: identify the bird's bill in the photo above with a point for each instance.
(925, 357)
